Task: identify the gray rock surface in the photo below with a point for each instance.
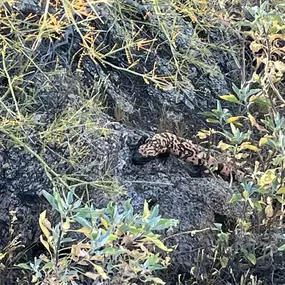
(182, 193)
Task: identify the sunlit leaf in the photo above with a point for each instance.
(224, 146)
(2, 255)
(24, 266)
(281, 248)
(65, 226)
(85, 230)
(241, 155)
(100, 270)
(230, 98)
(263, 141)
(45, 244)
(280, 200)
(34, 279)
(255, 47)
(146, 212)
(112, 237)
(281, 190)
(245, 194)
(269, 212)
(279, 65)
(104, 223)
(256, 77)
(254, 123)
(251, 257)
(233, 119)
(156, 280)
(209, 120)
(112, 250)
(236, 198)
(42, 222)
(202, 135)
(259, 100)
(248, 145)
(267, 177)
(233, 129)
(157, 242)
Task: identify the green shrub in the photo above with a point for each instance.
(110, 245)
(252, 132)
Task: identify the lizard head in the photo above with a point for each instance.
(146, 150)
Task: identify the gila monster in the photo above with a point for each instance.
(164, 144)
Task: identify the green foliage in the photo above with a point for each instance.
(252, 132)
(112, 245)
(8, 254)
(251, 127)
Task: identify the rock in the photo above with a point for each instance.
(75, 137)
